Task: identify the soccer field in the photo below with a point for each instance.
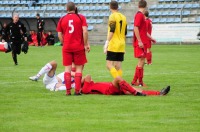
(28, 106)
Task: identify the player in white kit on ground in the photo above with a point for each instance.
(52, 81)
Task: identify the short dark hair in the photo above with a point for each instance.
(71, 6)
(38, 14)
(142, 4)
(114, 5)
(146, 13)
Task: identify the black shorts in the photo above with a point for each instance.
(115, 56)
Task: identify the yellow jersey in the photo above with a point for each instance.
(117, 42)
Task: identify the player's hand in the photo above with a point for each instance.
(87, 48)
(141, 45)
(153, 41)
(105, 47)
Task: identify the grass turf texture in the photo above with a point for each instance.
(28, 106)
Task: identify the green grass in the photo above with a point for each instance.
(28, 106)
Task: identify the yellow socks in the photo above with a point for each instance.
(120, 72)
(114, 72)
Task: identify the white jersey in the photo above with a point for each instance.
(61, 76)
(50, 82)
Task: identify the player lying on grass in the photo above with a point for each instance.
(117, 87)
(51, 81)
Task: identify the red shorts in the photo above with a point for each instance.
(149, 44)
(78, 57)
(140, 52)
(105, 88)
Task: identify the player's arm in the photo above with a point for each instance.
(112, 25)
(137, 34)
(150, 37)
(85, 38)
(24, 32)
(60, 37)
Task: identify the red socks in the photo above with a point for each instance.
(67, 77)
(77, 79)
(149, 58)
(151, 92)
(139, 71)
(135, 78)
(124, 86)
(140, 75)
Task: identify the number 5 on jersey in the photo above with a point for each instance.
(71, 25)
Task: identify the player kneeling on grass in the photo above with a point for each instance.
(117, 87)
(50, 80)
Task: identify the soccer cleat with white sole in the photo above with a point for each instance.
(34, 78)
(165, 91)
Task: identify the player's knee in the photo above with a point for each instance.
(88, 78)
(118, 79)
(53, 64)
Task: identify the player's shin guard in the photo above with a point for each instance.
(140, 75)
(124, 86)
(150, 57)
(45, 69)
(151, 92)
(135, 78)
(77, 79)
(67, 77)
(120, 72)
(114, 72)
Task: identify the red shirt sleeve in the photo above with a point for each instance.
(84, 22)
(138, 19)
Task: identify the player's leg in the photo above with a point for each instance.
(86, 84)
(110, 66)
(113, 63)
(79, 61)
(78, 78)
(67, 62)
(164, 91)
(149, 56)
(67, 78)
(14, 52)
(118, 67)
(119, 83)
(48, 68)
(140, 70)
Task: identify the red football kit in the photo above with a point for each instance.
(73, 50)
(139, 21)
(149, 30)
(105, 88)
(73, 43)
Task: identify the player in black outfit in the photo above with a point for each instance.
(17, 34)
(40, 27)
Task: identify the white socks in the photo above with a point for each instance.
(44, 70)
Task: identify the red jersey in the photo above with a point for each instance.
(149, 25)
(71, 27)
(139, 21)
(105, 88)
